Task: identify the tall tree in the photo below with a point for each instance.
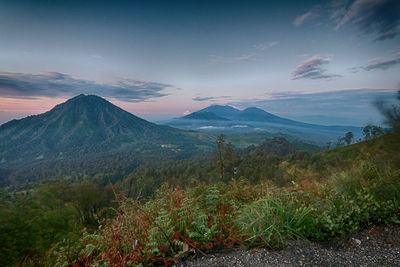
(340, 142)
(219, 154)
(367, 132)
(348, 138)
(231, 159)
(391, 113)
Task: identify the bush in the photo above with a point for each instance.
(271, 220)
(362, 196)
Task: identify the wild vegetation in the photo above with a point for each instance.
(295, 195)
(260, 196)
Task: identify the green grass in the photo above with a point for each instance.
(271, 220)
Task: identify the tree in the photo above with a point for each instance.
(372, 131)
(391, 113)
(225, 157)
(88, 198)
(218, 153)
(367, 132)
(376, 131)
(231, 159)
(348, 138)
(340, 142)
(328, 145)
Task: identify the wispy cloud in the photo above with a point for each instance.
(351, 106)
(246, 57)
(378, 64)
(375, 17)
(379, 17)
(249, 55)
(312, 14)
(383, 64)
(265, 46)
(312, 69)
(210, 98)
(354, 69)
(54, 84)
(214, 59)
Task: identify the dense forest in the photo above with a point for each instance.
(261, 195)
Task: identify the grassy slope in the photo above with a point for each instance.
(361, 188)
(324, 164)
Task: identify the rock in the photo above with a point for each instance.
(357, 241)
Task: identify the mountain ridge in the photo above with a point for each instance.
(253, 119)
(251, 114)
(84, 125)
(206, 115)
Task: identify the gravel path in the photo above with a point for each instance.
(378, 246)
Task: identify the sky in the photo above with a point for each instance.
(317, 61)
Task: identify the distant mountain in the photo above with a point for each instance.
(219, 112)
(222, 111)
(254, 119)
(205, 115)
(86, 125)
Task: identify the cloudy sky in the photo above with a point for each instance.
(317, 61)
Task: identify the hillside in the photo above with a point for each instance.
(86, 125)
(256, 207)
(157, 215)
(276, 146)
(87, 135)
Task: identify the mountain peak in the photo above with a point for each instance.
(226, 107)
(78, 96)
(257, 111)
(254, 109)
(229, 113)
(85, 97)
(220, 110)
(83, 125)
(84, 104)
(205, 115)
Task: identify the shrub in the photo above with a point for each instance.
(271, 220)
